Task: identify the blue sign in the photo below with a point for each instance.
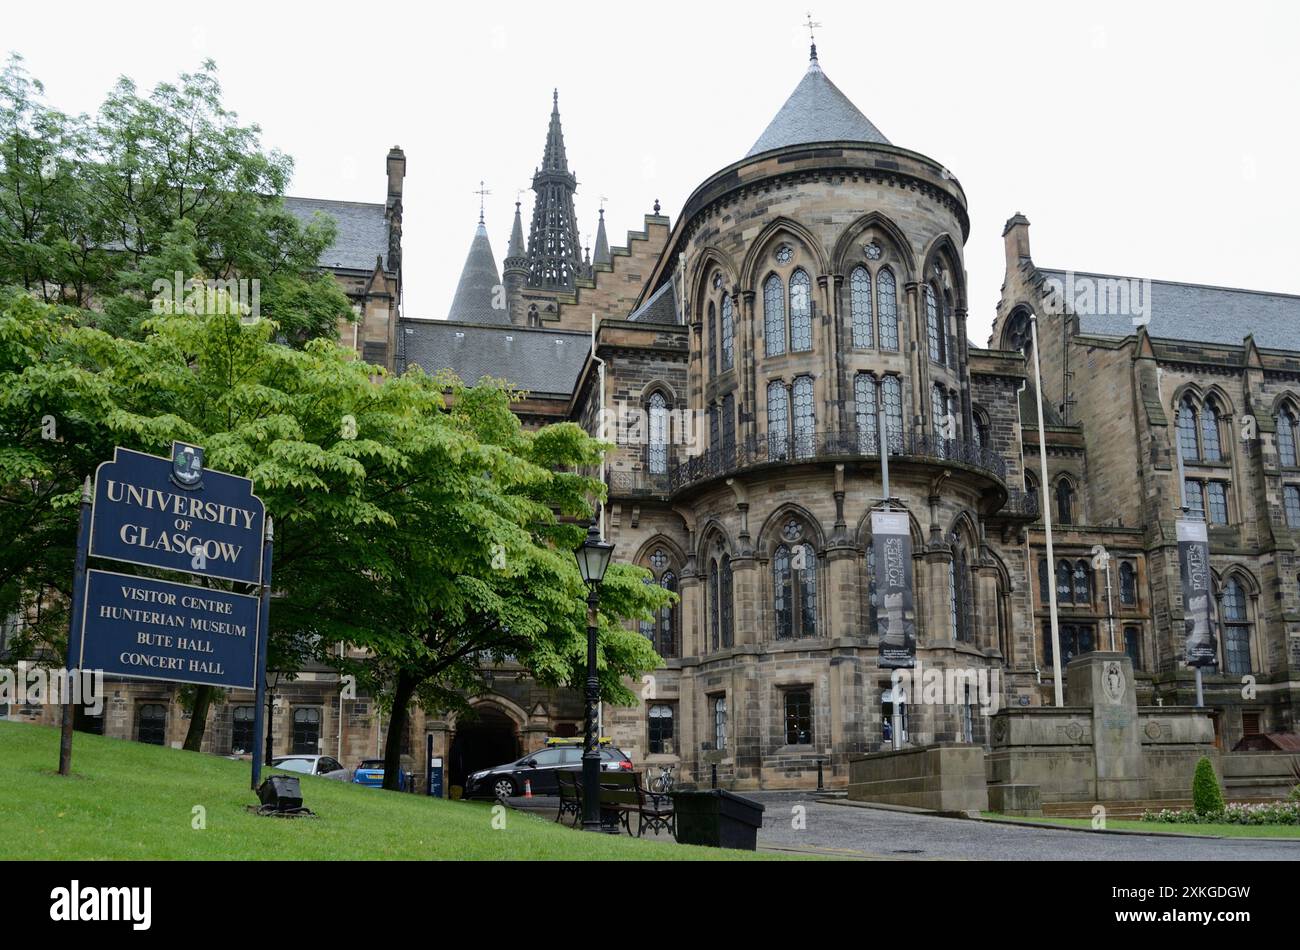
(152, 629)
(174, 514)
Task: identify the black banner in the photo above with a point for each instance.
(891, 541)
(1200, 649)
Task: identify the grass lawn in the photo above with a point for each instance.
(1124, 824)
(129, 801)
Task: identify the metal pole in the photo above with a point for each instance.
(591, 751)
(1046, 506)
(263, 635)
(1110, 604)
(74, 634)
(882, 439)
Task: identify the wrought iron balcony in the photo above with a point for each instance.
(1021, 504)
(830, 445)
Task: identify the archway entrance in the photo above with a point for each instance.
(489, 738)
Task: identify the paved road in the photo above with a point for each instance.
(848, 831)
(856, 832)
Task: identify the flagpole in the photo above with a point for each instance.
(1183, 509)
(1045, 505)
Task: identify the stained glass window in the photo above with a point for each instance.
(783, 594)
(1286, 439)
(1210, 434)
(728, 334)
(658, 434)
(933, 330)
(713, 339)
(891, 392)
(778, 421)
(805, 420)
(1291, 502)
(887, 300)
(728, 624)
(784, 254)
(1217, 495)
(860, 307)
(800, 312)
(1187, 432)
(774, 316)
(1082, 583)
(1236, 641)
(864, 400)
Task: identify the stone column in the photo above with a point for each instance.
(1104, 683)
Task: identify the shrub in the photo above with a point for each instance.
(1207, 798)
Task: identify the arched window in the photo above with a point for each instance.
(860, 307)
(1064, 502)
(891, 392)
(794, 585)
(773, 316)
(800, 312)
(965, 602)
(981, 434)
(728, 334)
(1031, 493)
(887, 298)
(713, 339)
(1187, 431)
(1127, 584)
(1236, 629)
(715, 604)
(728, 613)
(933, 327)
(658, 411)
(864, 401)
(729, 427)
(1286, 439)
(1210, 445)
(1044, 592)
(805, 418)
(668, 620)
(778, 421)
(1082, 583)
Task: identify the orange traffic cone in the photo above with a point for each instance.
(528, 788)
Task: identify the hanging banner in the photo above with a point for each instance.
(1201, 649)
(174, 514)
(151, 629)
(891, 541)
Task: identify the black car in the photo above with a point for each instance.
(538, 770)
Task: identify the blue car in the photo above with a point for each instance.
(371, 773)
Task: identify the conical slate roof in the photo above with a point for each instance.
(479, 285)
(516, 248)
(602, 243)
(816, 112)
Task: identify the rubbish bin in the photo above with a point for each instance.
(716, 818)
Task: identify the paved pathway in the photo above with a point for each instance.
(850, 831)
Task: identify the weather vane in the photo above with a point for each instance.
(482, 193)
(812, 35)
(603, 199)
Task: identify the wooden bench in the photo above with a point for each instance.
(570, 783)
(622, 795)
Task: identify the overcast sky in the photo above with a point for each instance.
(1140, 138)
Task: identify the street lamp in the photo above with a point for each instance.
(593, 557)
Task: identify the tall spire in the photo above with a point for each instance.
(554, 250)
(602, 255)
(478, 292)
(516, 248)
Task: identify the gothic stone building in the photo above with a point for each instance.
(744, 353)
(742, 356)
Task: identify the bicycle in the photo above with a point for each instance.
(662, 783)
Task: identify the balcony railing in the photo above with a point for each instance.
(828, 445)
(1021, 503)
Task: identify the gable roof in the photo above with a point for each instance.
(660, 308)
(1196, 313)
(362, 231)
(816, 112)
(537, 360)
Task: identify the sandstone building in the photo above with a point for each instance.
(746, 350)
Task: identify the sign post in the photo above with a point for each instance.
(74, 630)
(170, 514)
(264, 622)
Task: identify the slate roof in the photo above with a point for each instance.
(537, 360)
(816, 112)
(1198, 314)
(362, 231)
(660, 308)
(477, 290)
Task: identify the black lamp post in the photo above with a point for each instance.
(593, 557)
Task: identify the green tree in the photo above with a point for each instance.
(94, 211)
(389, 506)
(1207, 797)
